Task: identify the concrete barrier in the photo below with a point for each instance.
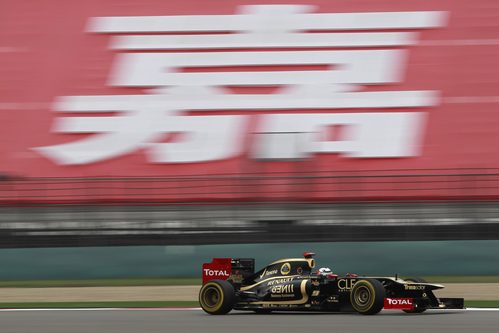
(404, 258)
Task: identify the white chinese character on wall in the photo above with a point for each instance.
(309, 58)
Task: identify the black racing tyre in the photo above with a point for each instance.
(367, 296)
(217, 297)
(417, 307)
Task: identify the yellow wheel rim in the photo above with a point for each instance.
(362, 298)
(211, 297)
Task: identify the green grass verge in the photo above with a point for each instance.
(156, 304)
(462, 279)
(101, 282)
(78, 305)
(481, 304)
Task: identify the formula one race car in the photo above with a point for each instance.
(294, 285)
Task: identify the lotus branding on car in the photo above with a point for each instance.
(295, 284)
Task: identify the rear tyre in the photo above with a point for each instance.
(217, 297)
(418, 308)
(367, 296)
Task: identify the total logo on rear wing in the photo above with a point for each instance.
(217, 269)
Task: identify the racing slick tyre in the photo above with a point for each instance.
(418, 308)
(367, 296)
(217, 297)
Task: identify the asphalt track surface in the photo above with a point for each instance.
(193, 321)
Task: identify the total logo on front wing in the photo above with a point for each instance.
(399, 303)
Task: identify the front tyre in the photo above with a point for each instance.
(217, 297)
(367, 296)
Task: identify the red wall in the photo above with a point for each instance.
(46, 52)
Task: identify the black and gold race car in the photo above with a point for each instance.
(294, 285)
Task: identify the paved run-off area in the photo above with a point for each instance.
(470, 291)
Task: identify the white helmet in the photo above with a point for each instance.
(325, 271)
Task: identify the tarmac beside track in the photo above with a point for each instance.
(192, 321)
(470, 291)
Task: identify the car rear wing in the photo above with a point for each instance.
(234, 270)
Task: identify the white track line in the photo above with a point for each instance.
(163, 309)
(103, 309)
(61, 309)
(182, 309)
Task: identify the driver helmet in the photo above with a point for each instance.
(325, 271)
